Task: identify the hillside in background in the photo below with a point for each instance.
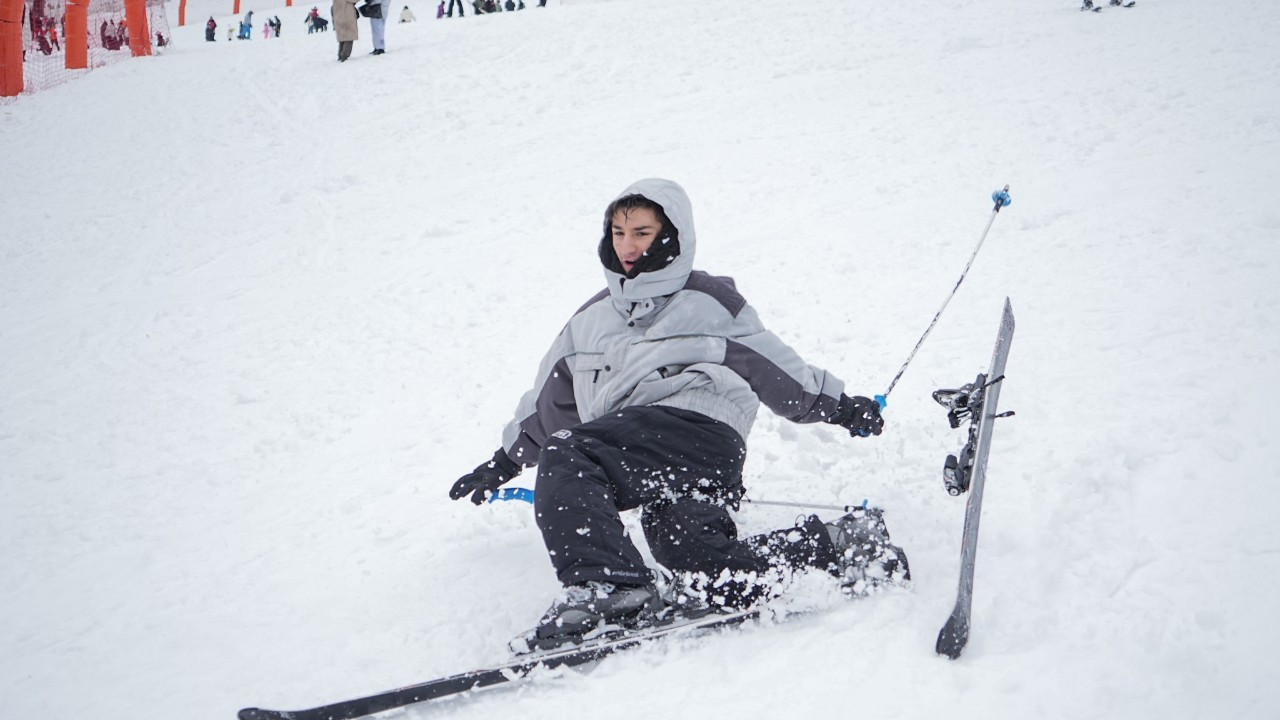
(259, 310)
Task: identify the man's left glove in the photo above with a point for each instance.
(486, 478)
(859, 415)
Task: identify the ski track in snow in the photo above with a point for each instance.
(258, 310)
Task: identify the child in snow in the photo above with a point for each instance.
(406, 15)
(645, 400)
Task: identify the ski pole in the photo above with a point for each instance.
(526, 495)
(779, 503)
(1000, 198)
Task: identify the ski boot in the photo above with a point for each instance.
(868, 561)
(589, 610)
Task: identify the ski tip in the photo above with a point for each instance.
(953, 636)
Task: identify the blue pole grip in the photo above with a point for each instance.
(513, 493)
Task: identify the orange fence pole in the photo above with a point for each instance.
(236, 11)
(182, 13)
(135, 12)
(10, 47)
(77, 38)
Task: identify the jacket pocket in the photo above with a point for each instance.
(588, 369)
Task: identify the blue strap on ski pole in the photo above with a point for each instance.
(513, 493)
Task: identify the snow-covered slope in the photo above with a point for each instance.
(258, 310)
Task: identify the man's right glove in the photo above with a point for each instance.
(857, 414)
(486, 478)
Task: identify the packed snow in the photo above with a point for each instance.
(259, 310)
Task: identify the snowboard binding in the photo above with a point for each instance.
(964, 404)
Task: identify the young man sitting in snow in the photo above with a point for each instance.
(645, 401)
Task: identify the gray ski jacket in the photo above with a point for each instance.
(675, 337)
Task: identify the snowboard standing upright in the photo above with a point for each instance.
(978, 403)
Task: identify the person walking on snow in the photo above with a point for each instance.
(645, 400)
(209, 28)
(345, 27)
(378, 25)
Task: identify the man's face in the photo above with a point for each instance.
(633, 233)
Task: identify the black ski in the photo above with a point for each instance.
(1088, 5)
(977, 403)
(518, 668)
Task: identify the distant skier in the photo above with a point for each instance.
(315, 23)
(209, 28)
(645, 400)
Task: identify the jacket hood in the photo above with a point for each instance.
(665, 281)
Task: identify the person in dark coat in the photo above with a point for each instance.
(209, 27)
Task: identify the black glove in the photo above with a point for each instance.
(486, 478)
(859, 415)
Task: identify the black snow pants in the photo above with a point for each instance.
(683, 468)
